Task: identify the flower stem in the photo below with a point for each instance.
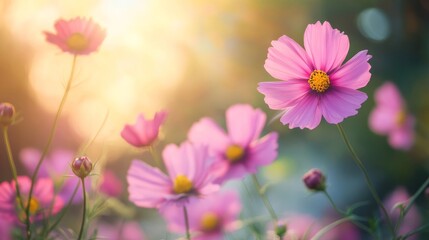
(264, 198)
(12, 165)
(333, 203)
(155, 156)
(48, 144)
(367, 179)
(185, 214)
(82, 225)
(329, 227)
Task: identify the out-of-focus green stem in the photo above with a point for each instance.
(82, 225)
(264, 198)
(185, 215)
(48, 145)
(367, 179)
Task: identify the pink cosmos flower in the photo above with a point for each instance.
(190, 175)
(127, 231)
(6, 229)
(390, 117)
(110, 184)
(78, 36)
(241, 149)
(208, 219)
(315, 82)
(40, 203)
(144, 132)
(411, 220)
(57, 167)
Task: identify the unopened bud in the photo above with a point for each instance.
(82, 166)
(314, 180)
(7, 114)
(281, 230)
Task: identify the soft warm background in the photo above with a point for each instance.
(195, 58)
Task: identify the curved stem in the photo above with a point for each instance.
(12, 165)
(329, 227)
(367, 179)
(82, 225)
(333, 203)
(265, 200)
(48, 144)
(185, 214)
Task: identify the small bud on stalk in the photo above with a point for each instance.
(314, 180)
(7, 114)
(82, 166)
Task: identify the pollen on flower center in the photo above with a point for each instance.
(401, 117)
(182, 184)
(209, 222)
(34, 205)
(77, 42)
(319, 81)
(234, 153)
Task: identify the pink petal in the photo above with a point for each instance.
(305, 114)
(244, 123)
(147, 186)
(402, 138)
(200, 131)
(355, 73)
(388, 95)
(287, 60)
(262, 152)
(29, 158)
(280, 95)
(382, 119)
(325, 46)
(339, 103)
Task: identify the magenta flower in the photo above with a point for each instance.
(190, 175)
(40, 202)
(390, 117)
(57, 167)
(78, 36)
(314, 81)
(412, 220)
(241, 149)
(128, 231)
(6, 228)
(144, 132)
(110, 184)
(208, 219)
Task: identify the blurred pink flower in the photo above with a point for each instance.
(110, 184)
(390, 117)
(125, 231)
(412, 220)
(314, 81)
(190, 175)
(144, 132)
(6, 228)
(208, 218)
(241, 149)
(40, 203)
(57, 167)
(78, 36)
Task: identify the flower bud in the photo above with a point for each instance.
(82, 166)
(314, 180)
(7, 114)
(281, 230)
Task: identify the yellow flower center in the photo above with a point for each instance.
(234, 153)
(182, 184)
(401, 117)
(209, 222)
(77, 42)
(319, 81)
(34, 205)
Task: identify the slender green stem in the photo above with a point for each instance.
(185, 215)
(265, 200)
(12, 165)
(48, 144)
(82, 225)
(367, 179)
(410, 203)
(329, 227)
(65, 209)
(415, 231)
(339, 211)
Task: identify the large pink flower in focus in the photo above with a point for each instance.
(314, 81)
(390, 117)
(78, 36)
(208, 219)
(190, 175)
(40, 203)
(144, 132)
(411, 220)
(241, 149)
